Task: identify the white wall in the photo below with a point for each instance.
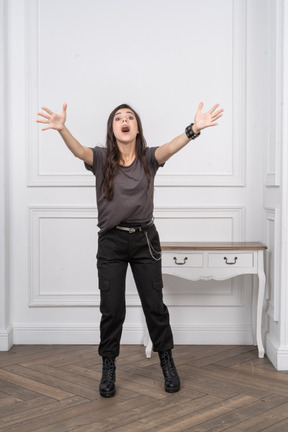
(163, 61)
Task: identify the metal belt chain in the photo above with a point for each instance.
(151, 249)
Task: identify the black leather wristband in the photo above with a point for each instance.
(190, 133)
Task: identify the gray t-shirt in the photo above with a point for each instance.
(131, 202)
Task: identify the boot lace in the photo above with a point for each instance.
(168, 365)
(108, 368)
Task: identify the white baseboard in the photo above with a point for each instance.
(6, 339)
(188, 334)
(278, 355)
(60, 334)
(271, 350)
(213, 334)
(282, 364)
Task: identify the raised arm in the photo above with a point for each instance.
(57, 122)
(201, 121)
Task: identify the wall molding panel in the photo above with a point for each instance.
(68, 230)
(274, 71)
(233, 176)
(39, 220)
(272, 261)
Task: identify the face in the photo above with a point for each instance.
(125, 127)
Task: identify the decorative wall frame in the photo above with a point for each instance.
(228, 294)
(272, 261)
(234, 176)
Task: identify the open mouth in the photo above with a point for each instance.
(125, 129)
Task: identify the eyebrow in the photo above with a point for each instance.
(126, 113)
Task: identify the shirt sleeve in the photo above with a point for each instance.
(98, 159)
(152, 159)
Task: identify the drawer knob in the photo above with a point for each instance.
(180, 263)
(230, 263)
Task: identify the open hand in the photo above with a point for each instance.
(53, 120)
(204, 120)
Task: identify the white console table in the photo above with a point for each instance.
(218, 261)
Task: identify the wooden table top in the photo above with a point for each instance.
(194, 246)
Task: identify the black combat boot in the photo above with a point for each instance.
(172, 381)
(107, 384)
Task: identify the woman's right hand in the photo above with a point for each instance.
(53, 120)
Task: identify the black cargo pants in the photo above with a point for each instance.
(116, 249)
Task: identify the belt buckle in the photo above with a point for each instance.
(132, 230)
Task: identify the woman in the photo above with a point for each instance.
(125, 171)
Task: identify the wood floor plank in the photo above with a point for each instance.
(231, 376)
(153, 373)
(144, 379)
(134, 388)
(8, 400)
(218, 384)
(106, 409)
(184, 421)
(231, 419)
(251, 367)
(52, 415)
(267, 419)
(214, 385)
(17, 391)
(281, 426)
(32, 352)
(238, 377)
(93, 376)
(24, 406)
(239, 359)
(175, 404)
(229, 353)
(35, 386)
(29, 417)
(134, 426)
(65, 356)
(58, 379)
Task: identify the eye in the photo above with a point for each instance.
(117, 118)
(131, 118)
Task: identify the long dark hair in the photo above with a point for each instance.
(114, 156)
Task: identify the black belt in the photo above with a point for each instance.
(137, 228)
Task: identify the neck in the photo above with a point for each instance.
(128, 152)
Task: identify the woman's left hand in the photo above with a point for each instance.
(204, 120)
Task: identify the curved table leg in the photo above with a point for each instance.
(255, 285)
(148, 344)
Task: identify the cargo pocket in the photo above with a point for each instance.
(105, 302)
(158, 305)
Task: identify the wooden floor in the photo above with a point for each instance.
(224, 388)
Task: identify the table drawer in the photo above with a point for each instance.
(177, 259)
(231, 259)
